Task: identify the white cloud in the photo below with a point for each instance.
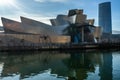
(51, 0)
(40, 0)
(37, 17)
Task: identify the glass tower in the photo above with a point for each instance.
(105, 17)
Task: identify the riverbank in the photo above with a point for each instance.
(83, 46)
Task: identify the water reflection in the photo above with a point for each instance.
(58, 65)
(106, 67)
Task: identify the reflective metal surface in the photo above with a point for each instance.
(11, 26)
(35, 27)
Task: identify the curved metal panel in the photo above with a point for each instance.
(11, 25)
(36, 27)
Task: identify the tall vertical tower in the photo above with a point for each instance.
(105, 17)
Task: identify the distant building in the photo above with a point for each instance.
(105, 17)
(115, 32)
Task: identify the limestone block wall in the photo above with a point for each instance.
(31, 40)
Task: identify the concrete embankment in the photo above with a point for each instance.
(84, 46)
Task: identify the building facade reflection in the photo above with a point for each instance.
(74, 65)
(106, 67)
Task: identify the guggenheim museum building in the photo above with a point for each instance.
(64, 29)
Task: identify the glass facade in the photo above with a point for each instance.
(105, 17)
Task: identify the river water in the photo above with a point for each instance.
(56, 65)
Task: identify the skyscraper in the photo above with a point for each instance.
(105, 17)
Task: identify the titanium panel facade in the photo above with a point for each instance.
(90, 21)
(105, 17)
(36, 27)
(11, 26)
(80, 18)
(72, 19)
(74, 12)
(60, 29)
(75, 23)
(54, 22)
(62, 19)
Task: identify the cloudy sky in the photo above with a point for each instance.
(43, 10)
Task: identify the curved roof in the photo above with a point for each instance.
(27, 26)
(11, 25)
(36, 27)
